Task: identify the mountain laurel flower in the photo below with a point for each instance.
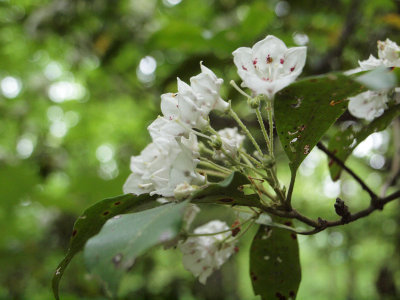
(368, 105)
(161, 166)
(206, 87)
(202, 255)
(231, 142)
(163, 127)
(193, 103)
(182, 107)
(269, 66)
(371, 104)
(388, 56)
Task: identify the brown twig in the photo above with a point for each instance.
(348, 170)
(321, 224)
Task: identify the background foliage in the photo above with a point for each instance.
(80, 81)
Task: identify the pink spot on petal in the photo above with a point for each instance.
(282, 61)
(292, 69)
(244, 68)
(254, 62)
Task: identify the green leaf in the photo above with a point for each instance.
(110, 253)
(275, 264)
(305, 110)
(379, 79)
(228, 191)
(91, 221)
(344, 142)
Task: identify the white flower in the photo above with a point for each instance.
(269, 66)
(368, 105)
(388, 56)
(371, 104)
(193, 103)
(371, 63)
(203, 255)
(161, 166)
(389, 52)
(206, 87)
(182, 107)
(231, 142)
(162, 127)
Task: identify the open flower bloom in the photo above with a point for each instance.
(161, 167)
(231, 142)
(269, 66)
(193, 103)
(371, 104)
(202, 255)
(368, 105)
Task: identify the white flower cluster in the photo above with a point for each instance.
(170, 160)
(371, 104)
(202, 255)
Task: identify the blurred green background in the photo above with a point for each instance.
(81, 80)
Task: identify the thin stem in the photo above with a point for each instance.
(222, 231)
(250, 158)
(208, 163)
(212, 173)
(207, 150)
(348, 170)
(290, 191)
(264, 131)
(271, 125)
(244, 128)
(246, 160)
(243, 232)
(236, 87)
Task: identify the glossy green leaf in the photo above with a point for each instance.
(305, 110)
(344, 142)
(114, 250)
(275, 264)
(228, 191)
(92, 220)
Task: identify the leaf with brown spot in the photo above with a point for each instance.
(92, 220)
(275, 264)
(306, 109)
(112, 252)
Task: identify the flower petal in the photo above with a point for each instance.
(294, 60)
(267, 51)
(368, 105)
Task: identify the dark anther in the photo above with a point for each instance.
(342, 210)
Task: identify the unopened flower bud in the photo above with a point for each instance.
(254, 102)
